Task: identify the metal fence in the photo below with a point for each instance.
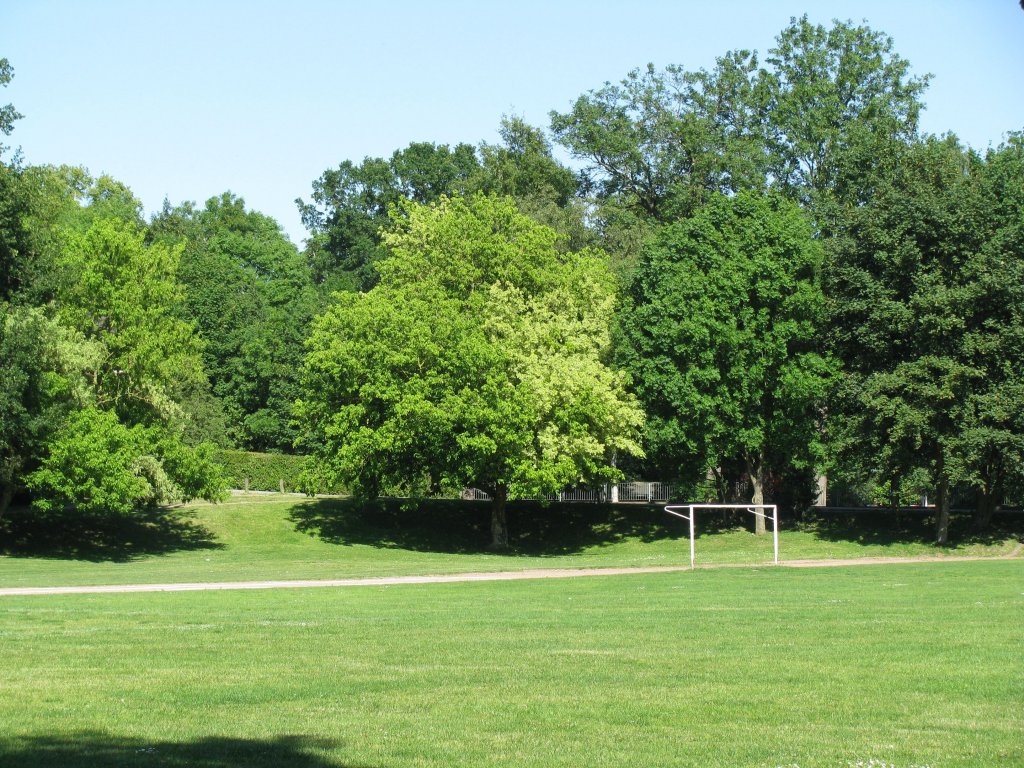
(634, 491)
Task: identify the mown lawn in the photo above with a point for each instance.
(905, 665)
(259, 537)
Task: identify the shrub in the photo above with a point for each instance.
(264, 471)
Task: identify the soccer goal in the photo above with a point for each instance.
(766, 511)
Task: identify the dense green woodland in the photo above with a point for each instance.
(752, 275)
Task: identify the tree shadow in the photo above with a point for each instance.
(102, 750)
(463, 527)
(882, 526)
(68, 536)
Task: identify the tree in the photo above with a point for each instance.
(8, 114)
(478, 360)
(351, 204)
(832, 99)
(124, 294)
(719, 333)
(100, 466)
(122, 444)
(522, 167)
(666, 141)
(42, 367)
(814, 123)
(926, 284)
(251, 295)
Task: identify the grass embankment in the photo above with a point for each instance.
(268, 537)
(906, 665)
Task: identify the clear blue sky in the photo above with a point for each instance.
(188, 99)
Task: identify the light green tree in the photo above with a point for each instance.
(480, 359)
(43, 369)
(124, 294)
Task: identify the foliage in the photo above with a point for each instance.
(8, 114)
(808, 124)
(351, 204)
(96, 465)
(250, 293)
(833, 98)
(261, 471)
(41, 379)
(720, 336)
(926, 280)
(124, 295)
(477, 361)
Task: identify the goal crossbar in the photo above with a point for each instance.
(758, 510)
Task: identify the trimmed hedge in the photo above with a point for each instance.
(264, 471)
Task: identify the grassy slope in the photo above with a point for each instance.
(290, 538)
(909, 665)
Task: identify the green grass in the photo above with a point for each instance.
(910, 665)
(259, 537)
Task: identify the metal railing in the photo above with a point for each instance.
(635, 491)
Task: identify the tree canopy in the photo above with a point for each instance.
(478, 360)
(720, 334)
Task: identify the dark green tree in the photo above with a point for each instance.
(251, 295)
(720, 335)
(833, 100)
(664, 142)
(925, 285)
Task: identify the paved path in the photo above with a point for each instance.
(548, 573)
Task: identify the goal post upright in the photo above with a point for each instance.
(759, 510)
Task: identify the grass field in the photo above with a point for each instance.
(914, 664)
(259, 537)
(904, 665)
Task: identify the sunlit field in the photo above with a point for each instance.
(905, 665)
(260, 537)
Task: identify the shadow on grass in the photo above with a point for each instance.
(885, 527)
(463, 527)
(25, 533)
(100, 750)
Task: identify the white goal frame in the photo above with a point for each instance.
(676, 509)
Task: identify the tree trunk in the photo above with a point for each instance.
(756, 470)
(499, 525)
(942, 510)
(983, 512)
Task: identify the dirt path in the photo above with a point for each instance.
(549, 573)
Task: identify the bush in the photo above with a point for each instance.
(98, 466)
(264, 471)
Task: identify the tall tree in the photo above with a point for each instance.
(833, 98)
(720, 334)
(350, 205)
(926, 285)
(251, 295)
(478, 360)
(665, 141)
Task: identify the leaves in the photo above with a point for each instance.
(477, 360)
(720, 336)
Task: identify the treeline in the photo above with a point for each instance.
(753, 275)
